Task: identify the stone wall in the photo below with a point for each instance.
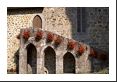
(61, 21)
(98, 22)
(50, 56)
(17, 19)
(57, 21)
(65, 57)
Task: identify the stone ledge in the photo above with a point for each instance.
(94, 52)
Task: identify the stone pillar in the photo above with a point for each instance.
(83, 63)
(38, 66)
(76, 66)
(40, 60)
(23, 61)
(59, 63)
(22, 57)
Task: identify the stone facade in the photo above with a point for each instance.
(63, 22)
(52, 58)
(44, 48)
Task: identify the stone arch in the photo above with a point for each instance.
(31, 59)
(37, 22)
(50, 60)
(68, 63)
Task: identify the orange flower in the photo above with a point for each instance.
(71, 45)
(58, 40)
(80, 50)
(39, 35)
(26, 34)
(49, 37)
(93, 53)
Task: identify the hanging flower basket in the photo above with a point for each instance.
(50, 37)
(39, 35)
(18, 36)
(71, 45)
(80, 50)
(26, 35)
(58, 40)
(93, 53)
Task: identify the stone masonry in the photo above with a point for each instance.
(82, 61)
(61, 21)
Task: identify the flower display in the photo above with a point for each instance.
(93, 53)
(26, 34)
(80, 50)
(50, 37)
(39, 35)
(71, 45)
(58, 40)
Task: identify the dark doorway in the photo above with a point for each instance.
(31, 59)
(50, 60)
(68, 63)
(37, 22)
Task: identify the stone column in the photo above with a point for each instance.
(40, 59)
(38, 69)
(23, 61)
(22, 57)
(59, 63)
(38, 66)
(76, 66)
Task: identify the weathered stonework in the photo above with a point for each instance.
(61, 21)
(55, 61)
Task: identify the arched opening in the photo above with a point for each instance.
(37, 22)
(50, 60)
(68, 63)
(31, 59)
